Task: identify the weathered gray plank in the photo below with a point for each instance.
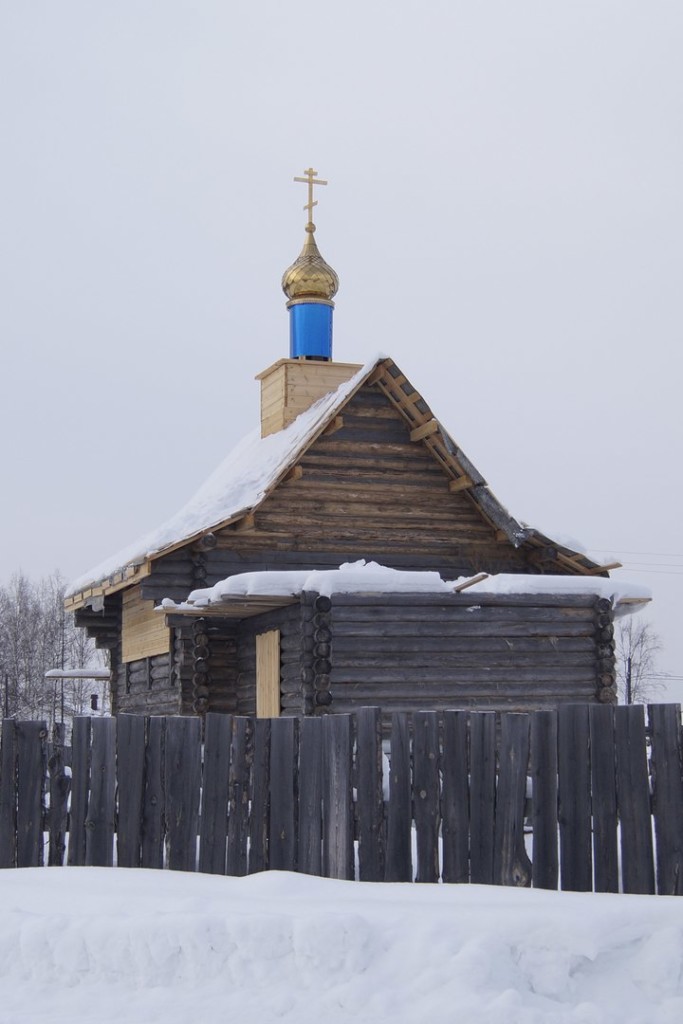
(667, 769)
(426, 794)
(130, 762)
(283, 818)
(338, 858)
(455, 798)
(310, 796)
(576, 872)
(99, 837)
(213, 829)
(482, 796)
(31, 762)
(399, 860)
(153, 806)
(8, 794)
(260, 805)
(604, 798)
(183, 780)
(633, 798)
(511, 866)
(60, 786)
(80, 790)
(238, 812)
(370, 806)
(545, 865)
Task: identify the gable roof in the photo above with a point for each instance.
(257, 465)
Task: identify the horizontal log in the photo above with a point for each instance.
(447, 613)
(223, 706)
(295, 643)
(305, 557)
(439, 508)
(437, 530)
(481, 646)
(404, 676)
(521, 706)
(471, 629)
(380, 693)
(154, 705)
(455, 661)
(140, 664)
(156, 676)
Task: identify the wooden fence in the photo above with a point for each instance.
(589, 797)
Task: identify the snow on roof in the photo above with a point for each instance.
(239, 483)
(78, 673)
(372, 578)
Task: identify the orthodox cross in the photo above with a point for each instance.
(310, 180)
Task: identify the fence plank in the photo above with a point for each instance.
(667, 766)
(370, 804)
(511, 866)
(301, 817)
(99, 835)
(482, 796)
(283, 819)
(213, 829)
(80, 790)
(130, 762)
(153, 804)
(183, 780)
(633, 798)
(399, 860)
(60, 786)
(260, 800)
(543, 744)
(604, 798)
(8, 794)
(31, 763)
(238, 813)
(338, 858)
(576, 871)
(426, 794)
(310, 796)
(455, 813)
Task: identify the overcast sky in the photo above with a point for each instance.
(504, 213)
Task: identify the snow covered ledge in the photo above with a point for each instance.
(371, 578)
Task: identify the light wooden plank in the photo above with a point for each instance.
(426, 430)
(144, 632)
(463, 483)
(268, 674)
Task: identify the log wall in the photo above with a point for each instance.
(508, 653)
(146, 687)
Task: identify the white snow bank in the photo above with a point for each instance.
(372, 578)
(614, 589)
(78, 673)
(238, 484)
(84, 945)
(349, 578)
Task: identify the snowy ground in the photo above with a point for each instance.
(98, 945)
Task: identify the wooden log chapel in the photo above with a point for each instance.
(238, 604)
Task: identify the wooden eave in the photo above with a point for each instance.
(233, 607)
(425, 429)
(125, 577)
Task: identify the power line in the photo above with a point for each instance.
(653, 554)
(655, 572)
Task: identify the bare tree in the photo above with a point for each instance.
(36, 635)
(637, 647)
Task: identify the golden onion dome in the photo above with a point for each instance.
(310, 278)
